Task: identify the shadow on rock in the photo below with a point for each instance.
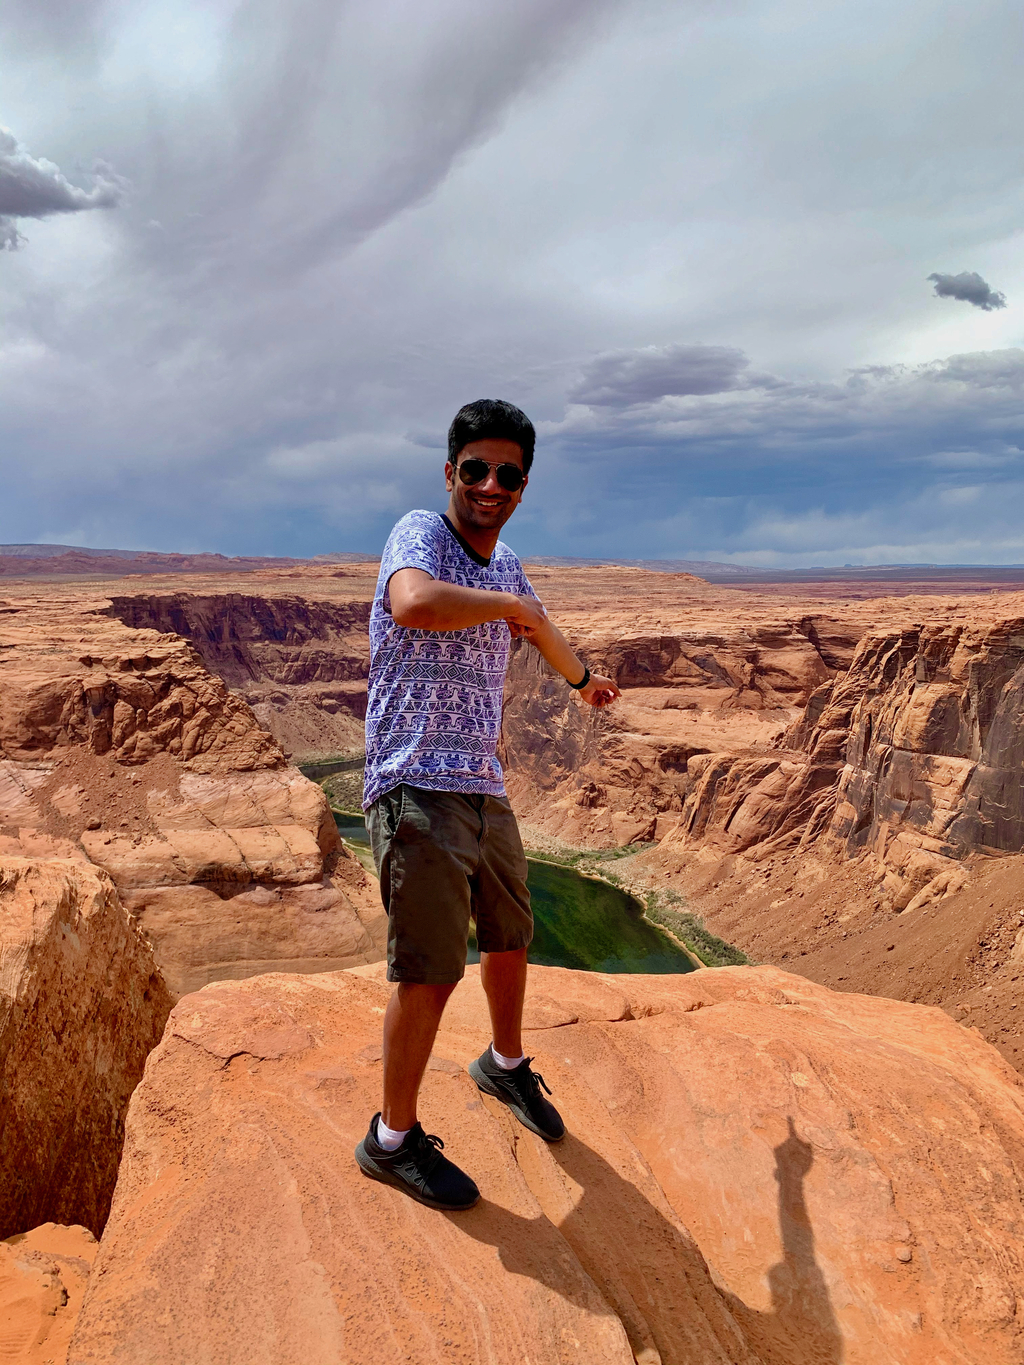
(801, 1328)
(651, 1272)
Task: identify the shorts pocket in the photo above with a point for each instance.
(393, 803)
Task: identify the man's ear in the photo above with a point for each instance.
(449, 476)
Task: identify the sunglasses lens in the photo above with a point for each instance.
(510, 477)
(473, 471)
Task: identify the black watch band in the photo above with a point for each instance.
(578, 687)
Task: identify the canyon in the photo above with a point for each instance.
(833, 783)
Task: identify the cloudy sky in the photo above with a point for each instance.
(256, 255)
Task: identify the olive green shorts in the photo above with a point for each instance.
(443, 859)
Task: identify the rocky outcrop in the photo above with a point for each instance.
(69, 677)
(43, 1274)
(915, 755)
(301, 662)
(936, 751)
(701, 710)
(81, 1005)
(757, 1171)
(118, 745)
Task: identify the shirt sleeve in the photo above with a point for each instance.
(524, 587)
(413, 544)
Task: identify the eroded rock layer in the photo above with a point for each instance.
(757, 1170)
(118, 746)
(301, 662)
(43, 1274)
(81, 1005)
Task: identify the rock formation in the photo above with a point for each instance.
(81, 1005)
(758, 1171)
(43, 1274)
(301, 662)
(118, 745)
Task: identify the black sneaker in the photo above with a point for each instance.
(520, 1090)
(417, 1168)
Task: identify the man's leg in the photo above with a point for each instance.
(410, 1026)
(502, 1070)
(503, 918)
(503, 976)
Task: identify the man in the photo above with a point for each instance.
(449, 598)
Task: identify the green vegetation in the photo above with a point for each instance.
(344, 791)
(592, 925)
(666, 908)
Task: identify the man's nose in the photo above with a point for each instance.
(491, 484)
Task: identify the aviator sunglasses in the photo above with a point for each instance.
(510, 476)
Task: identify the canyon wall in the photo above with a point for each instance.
(81, 1005)
(912, 752)
(300, 662)
(119, 747)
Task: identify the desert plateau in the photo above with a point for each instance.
(813, 1159)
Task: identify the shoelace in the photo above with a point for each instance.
(536, 1079)
(421, 1159)
(429, 1148)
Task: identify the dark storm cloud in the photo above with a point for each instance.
(346, 220)
(890, 464)
(622, 378)
(32, 187)
(968, 287)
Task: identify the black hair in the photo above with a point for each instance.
(492, 419)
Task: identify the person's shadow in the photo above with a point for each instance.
(651, 1274)
(801, 1326)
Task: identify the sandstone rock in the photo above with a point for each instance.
(936, 751)
(69, 676)
(301, 662)
(81, 1004)
(118, 746)
(43, 1274)
(848, 1167)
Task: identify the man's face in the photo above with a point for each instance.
(486, 506)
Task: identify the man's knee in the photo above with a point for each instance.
(421, 993)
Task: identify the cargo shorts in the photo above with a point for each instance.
(445, 858)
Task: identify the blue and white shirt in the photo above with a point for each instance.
(433, 712)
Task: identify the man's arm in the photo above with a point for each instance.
(554, 647)
(424, 603)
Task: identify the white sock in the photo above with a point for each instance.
(507, 1063)
(390, 1138)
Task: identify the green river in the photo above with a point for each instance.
(579, 921)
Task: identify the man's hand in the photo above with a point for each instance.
(529, 616)
(599, 691)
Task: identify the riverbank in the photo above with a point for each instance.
(664, 908)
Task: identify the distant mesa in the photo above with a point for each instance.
(33, 561)
(74, 561)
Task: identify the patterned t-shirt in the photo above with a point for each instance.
(433, 713)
